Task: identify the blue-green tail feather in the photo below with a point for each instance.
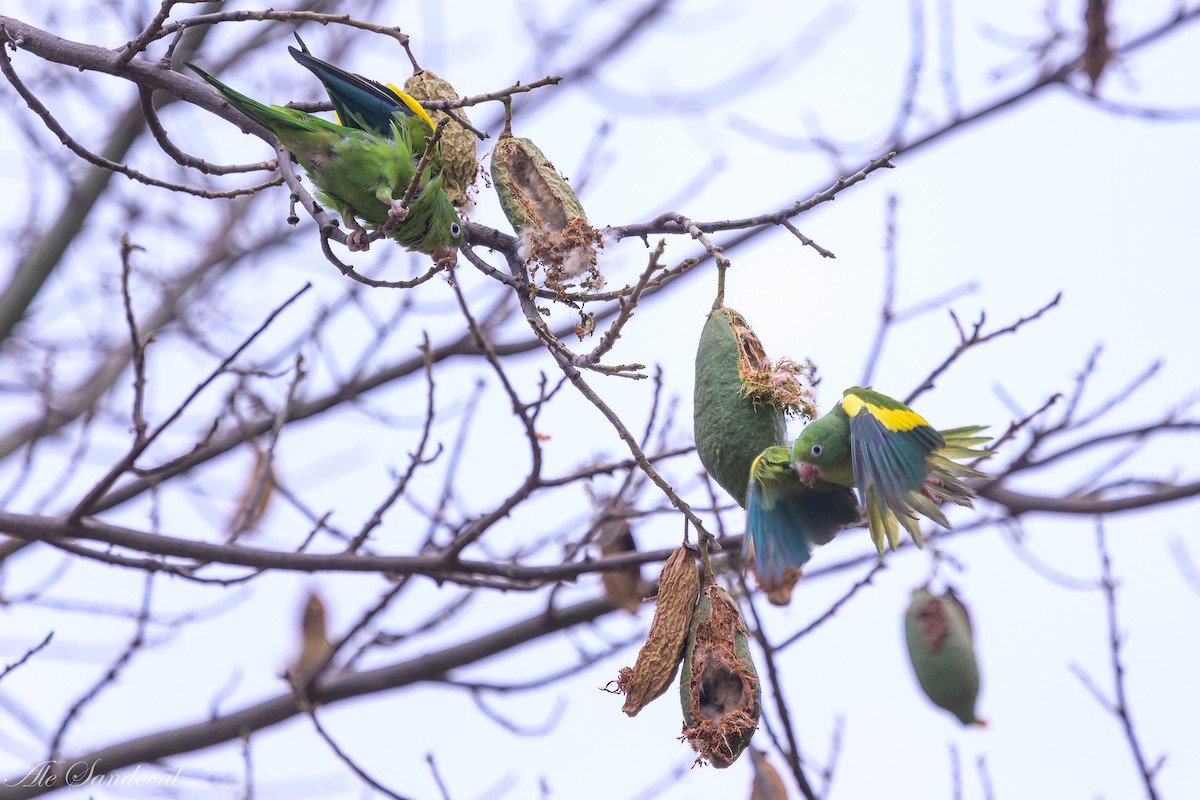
(781, 536)
(359, 102)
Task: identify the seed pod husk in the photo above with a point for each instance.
(768, 783)
(252, 505)
(718, 688)
(622, 587)
(314, 646)
(938, 633)
(460, 163)
(544, 212)
(741, 399)
(652, 673)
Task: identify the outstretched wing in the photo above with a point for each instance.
(785, 519)
(890, 445)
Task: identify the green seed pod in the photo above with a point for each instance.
(938, 633)
(718, 687)
(741, 399)
(544, 211)
(459, 159)
(532, 193)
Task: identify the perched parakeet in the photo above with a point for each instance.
(363, 103)
(898, 463)
(785, 519)
(363, 174)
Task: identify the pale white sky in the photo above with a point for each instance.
(1053, 195)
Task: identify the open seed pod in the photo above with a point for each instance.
(652, 673)
(741, 399)
(545, 212)
(718, 688)
(459, 158)
(938, 633)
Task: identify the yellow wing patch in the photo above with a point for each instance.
(894, 419)
(413, 105)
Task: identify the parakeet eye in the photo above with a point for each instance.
(815, 452)
(455, 229)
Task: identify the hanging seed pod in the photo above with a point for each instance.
(652, 673)
(938, 632)
(741, 399)
(545, 212)
(459, 159)
(256, 496)
(718, 688)
(768, 784)
(1097, 52)
(314, 646)
(622, 587)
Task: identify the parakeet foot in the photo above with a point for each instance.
(357, 239)
(397, 211)
(445, 255)
(932, 480)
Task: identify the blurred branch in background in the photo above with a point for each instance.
(190, 389)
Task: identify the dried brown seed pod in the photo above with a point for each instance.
(256, 496)
(314, 646)
(622, 587)
(768, 783)
(652, 673)
(460, 161)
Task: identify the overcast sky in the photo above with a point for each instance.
(708, 115)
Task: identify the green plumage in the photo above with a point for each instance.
(786, 520)
(363, 175)
(899, 464)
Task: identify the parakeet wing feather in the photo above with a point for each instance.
(889, 444)
(278, 119)
(785, 519)
(359, 102)
(359, 172)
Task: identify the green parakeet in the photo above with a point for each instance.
(362, 174)
(799, 498)
(899, 464)
(785, 519)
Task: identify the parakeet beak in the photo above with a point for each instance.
(445, 256)
(808, 473)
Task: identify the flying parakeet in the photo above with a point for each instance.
(898, 463)
(785, 519)
(362, 174)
